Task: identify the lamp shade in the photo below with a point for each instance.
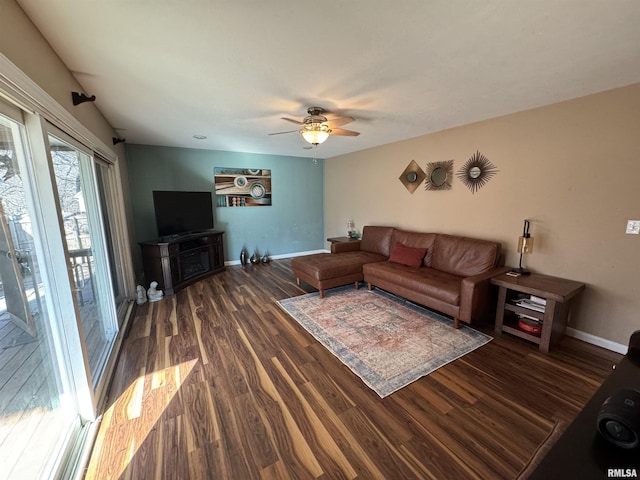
(315, 133)
(525, 244)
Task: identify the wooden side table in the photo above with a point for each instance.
(333, 240)
(558, 292)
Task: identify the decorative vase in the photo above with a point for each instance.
(265, 258)
(243, 256)
(255, 258)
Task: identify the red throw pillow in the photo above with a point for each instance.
(410, 256)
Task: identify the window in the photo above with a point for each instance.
(66, 279)
(38, 409)
(77, 196)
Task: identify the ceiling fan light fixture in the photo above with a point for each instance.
(315, 133)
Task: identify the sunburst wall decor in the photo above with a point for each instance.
(439, 175)
(477, 171)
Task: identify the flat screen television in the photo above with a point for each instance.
(180, 213)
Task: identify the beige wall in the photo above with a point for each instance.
(22, 43)
(571, 168)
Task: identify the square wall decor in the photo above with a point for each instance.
(412, 176)
(242, 187)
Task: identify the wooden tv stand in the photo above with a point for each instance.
(176, 262)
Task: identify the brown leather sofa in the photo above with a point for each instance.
(447, 273)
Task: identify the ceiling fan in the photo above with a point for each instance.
(316, 128)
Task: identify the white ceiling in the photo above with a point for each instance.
(164, 70)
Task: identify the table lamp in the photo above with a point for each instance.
(525, 245)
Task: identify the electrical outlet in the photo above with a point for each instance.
(633, 227)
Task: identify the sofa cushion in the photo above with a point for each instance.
(415, 239)
(464, 256)
(411, 256)
(427, 281)
(376, 240)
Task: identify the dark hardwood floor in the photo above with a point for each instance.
(217, 382)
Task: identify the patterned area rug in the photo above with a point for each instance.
(385, 340)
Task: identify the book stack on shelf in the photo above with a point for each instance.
(531, 323)
(532, 303)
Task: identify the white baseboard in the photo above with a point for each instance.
(284, 255)
(598, 341)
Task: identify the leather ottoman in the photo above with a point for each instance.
(326, 270)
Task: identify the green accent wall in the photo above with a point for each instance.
(292, 225)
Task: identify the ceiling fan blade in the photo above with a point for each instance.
(280, 133)
(343, 132)
(339, 121)
(297, 122)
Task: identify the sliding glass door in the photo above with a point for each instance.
(63, 294)
(84, 238)
(66, 280)
(39, 412)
